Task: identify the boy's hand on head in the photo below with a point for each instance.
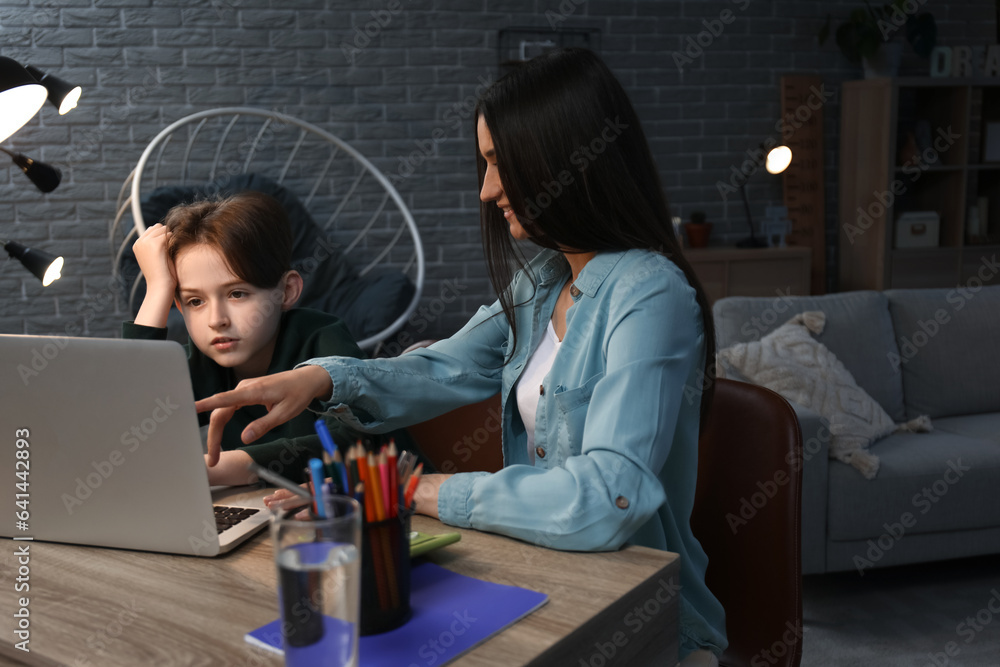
(161, 281)
(285, 395)
(151, 253)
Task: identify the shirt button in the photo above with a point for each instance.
(621, 502)
(574, 291)
(540, 452)
(541, 390)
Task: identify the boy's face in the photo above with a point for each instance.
(232, 322)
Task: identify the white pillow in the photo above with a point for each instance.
(792, 363)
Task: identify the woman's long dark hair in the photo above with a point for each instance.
(575, 165)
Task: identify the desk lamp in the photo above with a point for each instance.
(778, 159)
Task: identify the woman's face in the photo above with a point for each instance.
(492, 188)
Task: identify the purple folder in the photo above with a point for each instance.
(451, 613)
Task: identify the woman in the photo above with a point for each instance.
(598, 345)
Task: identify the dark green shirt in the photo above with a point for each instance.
(286, 449)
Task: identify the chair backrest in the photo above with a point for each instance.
(354, 204)
(747, 518)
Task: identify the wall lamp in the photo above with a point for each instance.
(62, 94)
(21, 96)
(45, 177)
(776, 161)
(45, 267)
(23, 92)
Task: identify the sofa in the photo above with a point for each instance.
(934, 352)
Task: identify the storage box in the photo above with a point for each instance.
(918, 229)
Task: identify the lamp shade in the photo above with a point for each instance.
(62, 94)
(45, 267)
(21, 96)
(778, 159)
(45, 177)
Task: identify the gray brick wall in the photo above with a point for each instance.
(394, 94)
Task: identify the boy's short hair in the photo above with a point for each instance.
(249, 229)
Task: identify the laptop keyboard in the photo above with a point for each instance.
(227, 517)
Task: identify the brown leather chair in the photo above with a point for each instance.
(747, 518)
(466, 439)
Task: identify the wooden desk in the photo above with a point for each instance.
(105, 607)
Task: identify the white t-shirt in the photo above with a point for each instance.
(528, 385)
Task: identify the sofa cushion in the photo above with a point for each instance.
(947, 342)
(789, 361)
(985, 426)
(942, 481)
(852, 318)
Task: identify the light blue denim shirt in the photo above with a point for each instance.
(617, 420)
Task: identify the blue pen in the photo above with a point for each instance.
(316, 470)
(324, 437)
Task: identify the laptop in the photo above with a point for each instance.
(100, 440)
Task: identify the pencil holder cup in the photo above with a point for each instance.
(318, 594)
(385, 574)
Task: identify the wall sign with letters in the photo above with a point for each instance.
(965, 61)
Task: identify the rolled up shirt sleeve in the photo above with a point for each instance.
(377, 395)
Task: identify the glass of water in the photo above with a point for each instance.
(319, 575)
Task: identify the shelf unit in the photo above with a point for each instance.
(916, 144)
(766, 272)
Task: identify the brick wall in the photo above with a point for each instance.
(395, 94)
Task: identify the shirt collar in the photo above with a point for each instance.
(552, 266)
(593, 274)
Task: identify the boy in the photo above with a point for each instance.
(225, 263)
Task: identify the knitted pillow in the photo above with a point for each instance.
(792, 363)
